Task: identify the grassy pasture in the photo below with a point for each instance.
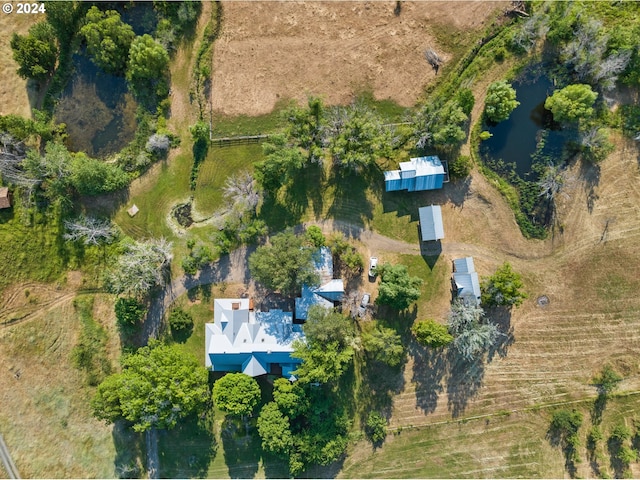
(50, 399)
(500, 445)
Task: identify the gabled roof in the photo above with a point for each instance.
(464, 265)
(431, 223)
(466, 279)
(247, 341)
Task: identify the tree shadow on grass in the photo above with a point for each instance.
(129, 447)
(381, 383)
(429, 368)
(558, 437)
(187, 450)
(614, 445)
(242, 452)
(464, 381)
(501, 316)
(350, 200)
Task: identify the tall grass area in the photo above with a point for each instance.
(90, 355)
(32, 247)
(45, 416)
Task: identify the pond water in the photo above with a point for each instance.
(98, 110)
(515, 139)
(96, 107)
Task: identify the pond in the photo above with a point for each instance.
(98, 110)
(96, 106)
(515, 139)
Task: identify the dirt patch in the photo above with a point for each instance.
(14, 93)
(270, 51)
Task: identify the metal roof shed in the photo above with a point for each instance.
(431, 223)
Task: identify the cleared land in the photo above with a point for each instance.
(269, 51)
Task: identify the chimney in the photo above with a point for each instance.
(251, 304)
(235, 306)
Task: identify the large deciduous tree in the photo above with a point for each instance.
(356, 138)
(503, 288)
(500, 101)
(141, 267)
(158, 386)
(572, 103)
(384, 345)
(397, 288)
(35, 53)
(148, 67)
(236, 394)
(108, 39)
(284, 265)
(431, 334)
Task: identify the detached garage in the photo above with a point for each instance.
(431, 223)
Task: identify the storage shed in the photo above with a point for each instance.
(466, 280)
(421, 173)
(431, 223)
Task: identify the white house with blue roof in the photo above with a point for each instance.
(252, 342)
(466, 280)
(421, 173)
(241, 339)
(330, 291)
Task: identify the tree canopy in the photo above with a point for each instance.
(325, 325)
(572, 103)
(158, 386)
(108, 39)
(397, 288)
(284, 265)
(148, 62)
(472, 335)
(35, 53)
(500, 101)
(236, 393)
(274, 430)
(356, 137)
(142, 266)
(384, 345)
(503, 288)
(431, 334)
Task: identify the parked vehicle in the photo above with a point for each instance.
(363, 304)
(373, 263)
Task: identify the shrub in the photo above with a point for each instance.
(315, 237)
(129, 311)
(180, 320)
(431, 334)
(460, 167)
(376, 428)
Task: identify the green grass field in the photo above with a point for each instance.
(220, 164)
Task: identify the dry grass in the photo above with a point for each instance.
(44, 414)
(270, 51)
(14, 94)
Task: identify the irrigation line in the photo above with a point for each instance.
(9, 466)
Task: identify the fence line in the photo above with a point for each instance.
(241, 140)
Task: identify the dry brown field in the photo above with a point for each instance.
(272, 51)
